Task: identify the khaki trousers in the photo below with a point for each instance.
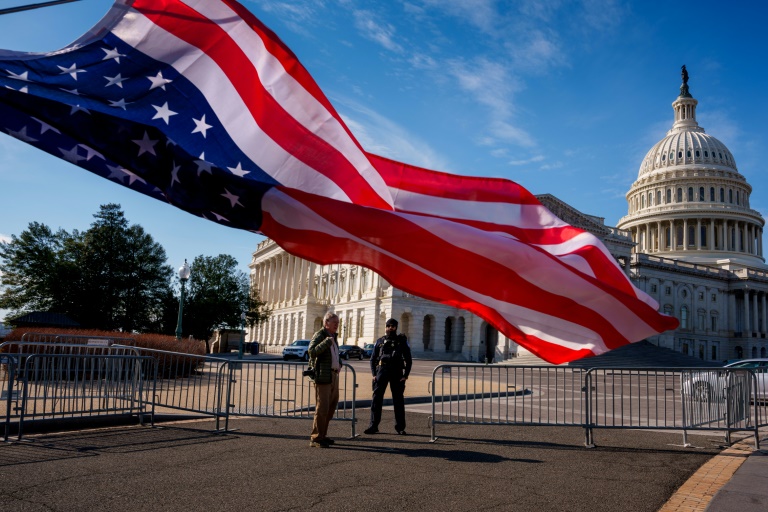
(326, 400)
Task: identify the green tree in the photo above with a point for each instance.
(36, 269)
(113, 276)
(125, 273)
(218, 294)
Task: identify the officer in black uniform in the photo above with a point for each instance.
(390, 364)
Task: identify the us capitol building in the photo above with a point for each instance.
(690, 240)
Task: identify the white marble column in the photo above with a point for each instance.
(747, 324)
(685, 234)
(661, 236)
(764, 330)
(672, 236)
(731, 312)
(755, 322)
(711, 243)
(698, 234)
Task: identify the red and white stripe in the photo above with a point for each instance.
(484, 245)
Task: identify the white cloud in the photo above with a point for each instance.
(534, 159)
(5, 238)
(382, 136)
(296, 15)
(479, 13)
(377, 31)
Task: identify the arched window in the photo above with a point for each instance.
(754, 352)
(650, 199)
(690, 194)
(642, 202)
(737, 197)
(658, 197)
(669, 195)
(730, 196)
(684, 317)
(722, 195)
(691, 236)
(712, 194)
(701, 193)
(706, 154)
(703, 236)
(666, 237)
(679, 195)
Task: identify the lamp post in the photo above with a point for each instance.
(184, 272)
(242, 337)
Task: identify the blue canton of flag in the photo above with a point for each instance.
(121, 115)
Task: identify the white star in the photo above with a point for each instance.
(78, 108)
(71, 91)
(71, 71)
(175, 174)
(71, 155)
(238, 171)
(158, 81)
(112, 54)
(115, 80)
(44, 127)
(146, 145)
(122, 103)
(170, 142)
(164, 113)
(24, 89)
(22, 76)
(91, 152)
(235, 200)
(219, 217)
(116, 172)
(201, 126)
(202, 165)
(133, 177)
(22, 135)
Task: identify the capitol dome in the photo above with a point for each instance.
(689, 201)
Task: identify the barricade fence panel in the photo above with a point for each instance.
(77, 385)
(507, 395)
(278, 389)
(7, 378)
(188, 382)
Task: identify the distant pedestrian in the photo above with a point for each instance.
(390, 364)
(324, 357)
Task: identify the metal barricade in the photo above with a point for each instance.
(188, 382)
(506, 395)
(278, 389)
(75, 385)
(7, 379)
(671, 399)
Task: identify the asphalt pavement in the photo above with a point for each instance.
(267, 464)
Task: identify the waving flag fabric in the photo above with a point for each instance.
(198, 104)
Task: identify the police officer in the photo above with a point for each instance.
(390, 364)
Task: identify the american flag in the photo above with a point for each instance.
(198, 104)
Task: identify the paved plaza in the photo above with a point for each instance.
(266, 464)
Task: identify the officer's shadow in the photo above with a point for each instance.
(450, 455)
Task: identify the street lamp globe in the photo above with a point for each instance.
(184, 272)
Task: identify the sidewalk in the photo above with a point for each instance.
(267, 465)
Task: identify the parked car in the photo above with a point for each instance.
(297, 350)
(349, 351)
(368, 350)
(711, 384)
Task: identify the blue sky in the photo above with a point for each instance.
(564, 97)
